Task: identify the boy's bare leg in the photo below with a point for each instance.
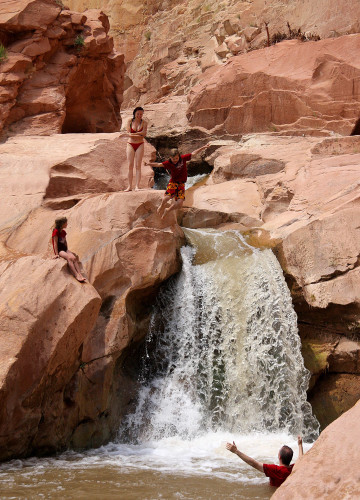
(160, 210)
(174, 206)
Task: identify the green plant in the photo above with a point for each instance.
(206, 8)
(3, 53)
(60, 4)
(79, 42)
(148, 36)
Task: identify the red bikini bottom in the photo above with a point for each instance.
(135, 145)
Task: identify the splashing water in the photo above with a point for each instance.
(223, 351)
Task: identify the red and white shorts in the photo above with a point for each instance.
(175, 190)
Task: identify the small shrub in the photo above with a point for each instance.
(148, 36)
(79, 42)
(206, 8)
(60, 4)
(3, 53)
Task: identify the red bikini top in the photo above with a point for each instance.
(134, 131)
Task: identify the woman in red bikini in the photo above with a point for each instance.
(136, 128)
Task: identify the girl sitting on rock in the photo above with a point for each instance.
(61, 249)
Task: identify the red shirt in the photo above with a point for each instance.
(277, 473)
(178, 171)
(61, 239)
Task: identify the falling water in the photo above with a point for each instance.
(222, 361)
(223, 351)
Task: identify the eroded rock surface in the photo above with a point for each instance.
(169, 45)
(45, 316)
(60, 73)
(293, 87)
(75, 390)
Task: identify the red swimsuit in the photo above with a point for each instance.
(135, 145)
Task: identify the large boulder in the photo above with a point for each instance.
(45, 317)
(60, 73)
(79, 164)
(328, 469)
(292, 87)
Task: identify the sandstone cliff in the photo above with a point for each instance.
(59, 72)
(301, 194)
(169, 44)
(62, 378)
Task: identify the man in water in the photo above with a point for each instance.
(276, 473)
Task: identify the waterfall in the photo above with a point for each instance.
(223, 350)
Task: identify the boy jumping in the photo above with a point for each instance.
(175, 190)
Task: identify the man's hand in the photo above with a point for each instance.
(231, 447)
(248, 460)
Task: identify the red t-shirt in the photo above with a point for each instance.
(277, 473)
(178, 171)
(61, 239)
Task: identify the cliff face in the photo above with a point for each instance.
(62, 382)
(169, 44)
(327, 469)
(59, 72)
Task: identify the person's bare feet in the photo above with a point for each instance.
(127, 189)
(137, 188)
(80, 278)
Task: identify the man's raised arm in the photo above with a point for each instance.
(250, 461)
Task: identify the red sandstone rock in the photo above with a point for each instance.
(294, 87)
(308, 211)
(67, 78)
(155, 34)
(61, 169)
(111, 232)
(45, 317)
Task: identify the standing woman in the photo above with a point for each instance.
(136, 128)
